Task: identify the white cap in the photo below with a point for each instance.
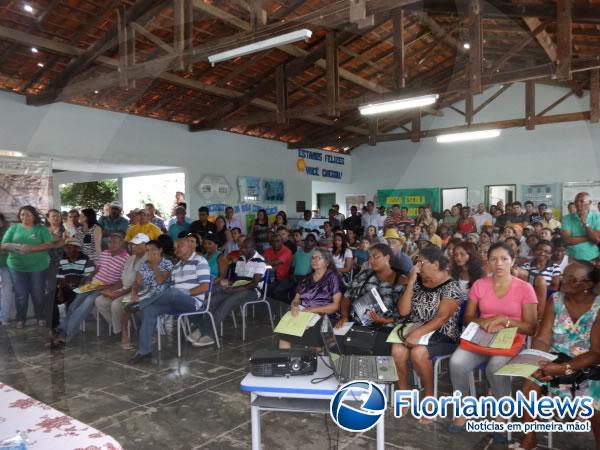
(140, 238)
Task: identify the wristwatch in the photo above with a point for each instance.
(568, 369)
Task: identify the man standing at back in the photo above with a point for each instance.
(230, 221)
(202, 226)
(144, 227)
(372, 217)
(481, 216)
(581, 230)
(113, 223)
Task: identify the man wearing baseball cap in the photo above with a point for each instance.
(113, 223)
(108, 302)
(549, 221)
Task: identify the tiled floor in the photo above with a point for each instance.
(193, 402)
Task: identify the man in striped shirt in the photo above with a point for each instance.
(191, 280)
(109, 266)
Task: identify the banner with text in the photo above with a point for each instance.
(324, 166)
(24, 182)
(410, 198)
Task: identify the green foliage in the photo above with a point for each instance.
(93, 194)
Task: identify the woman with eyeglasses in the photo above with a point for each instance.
(570, 327)
(495, 302)
(431, 301)
(386, 281)
(90, 234)
(319, 292)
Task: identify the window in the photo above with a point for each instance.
(452, 196)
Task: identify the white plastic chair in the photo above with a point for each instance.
(183, 321)
(259, 300)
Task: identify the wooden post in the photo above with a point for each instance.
(122, 37)
(373, 126)
(399, 52)
(179, 32)
(131, 54)
(564, 38)
(282, 94)
(595, 96)
(332, 75)
(189, 29)
(415, 132)
(529, 104)
(469, 108)
(475, 50)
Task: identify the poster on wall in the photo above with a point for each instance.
(243, 212)
(358, 200)
(570, 190)
(213, 187)
(410, 198)
(24, 182)
(249, 189)
(548, 194)
(323, 166)
(273, 190)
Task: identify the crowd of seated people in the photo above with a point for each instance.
(510, 266)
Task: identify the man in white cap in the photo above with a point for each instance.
(108, 302)
(548, 220)
(113, 223)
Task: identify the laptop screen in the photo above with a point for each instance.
(331, 345)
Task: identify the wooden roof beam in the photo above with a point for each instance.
(87, 58)
(595, 95)
(564, 39)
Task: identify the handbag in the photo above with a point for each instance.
(512, 351)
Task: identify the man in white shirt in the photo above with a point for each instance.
(338, 215)
(372, 217)
(307, 224)
(481, 216)
(230, 221)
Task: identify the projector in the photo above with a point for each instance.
(281, 363)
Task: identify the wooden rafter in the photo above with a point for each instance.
(595, 95)
(530, 117)
(564, 38)
(110, 40)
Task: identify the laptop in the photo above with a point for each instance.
(378, 369)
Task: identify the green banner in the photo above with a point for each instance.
(410, 198)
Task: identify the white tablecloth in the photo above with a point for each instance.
(46, 427)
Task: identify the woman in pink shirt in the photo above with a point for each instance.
(495, 302)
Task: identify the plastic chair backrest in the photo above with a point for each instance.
(208, 295)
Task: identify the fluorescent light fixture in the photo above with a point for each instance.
(12, 153)
(40, 64)
(466, 46)
(287, 38)
(397, 105)
(468, 136)
(34, 50)
(27, 7)
(96, 92)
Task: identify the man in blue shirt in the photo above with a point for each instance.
(113, 223)
(180, 224)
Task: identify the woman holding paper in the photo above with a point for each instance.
(320, 293)
(571, 326)
(432, 301)
(495, 302)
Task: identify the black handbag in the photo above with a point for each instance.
(576, 378)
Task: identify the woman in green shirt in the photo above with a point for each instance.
(28, 262)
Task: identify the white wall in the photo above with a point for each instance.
(550, 153)
(69, 131)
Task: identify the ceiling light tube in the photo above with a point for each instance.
(287, 38)
(397, 105)
(468, 136)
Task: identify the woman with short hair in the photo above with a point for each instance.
(28, 262)
(319, 292)
(432, 302)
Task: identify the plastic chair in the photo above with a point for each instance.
(183, 321)
(437, 360)
(261, 299)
